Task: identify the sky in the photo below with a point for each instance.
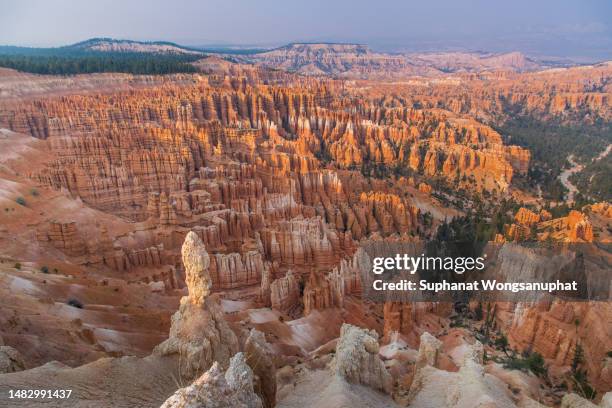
(541, 27)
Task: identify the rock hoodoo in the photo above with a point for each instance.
(199, 334)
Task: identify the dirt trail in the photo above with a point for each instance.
(575, 168)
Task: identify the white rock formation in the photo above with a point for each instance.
(470, 387)
(576, 401)
(216, 390)
(428, 351)
(357, 358)
(10, 360)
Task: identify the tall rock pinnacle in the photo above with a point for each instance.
(196, 262)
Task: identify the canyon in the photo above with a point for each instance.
(202, 233)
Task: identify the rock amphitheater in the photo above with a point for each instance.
(193, 240)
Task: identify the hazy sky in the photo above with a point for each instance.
(548, 27)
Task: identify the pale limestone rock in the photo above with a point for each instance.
(215, 390)
(576, 401)
(428, 351)
(357, 358)
(470, 387)
(196, 262)
(606, 401)
(10, 360)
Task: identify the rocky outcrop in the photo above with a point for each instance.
(575, 227)
(10, 360)
(214, 389)
(425, 188)
(563, 93)
(65, 237)
(344, 60)
(576, 401)
(357, 358)
(261, 360)
(196, 262)
(318, 293)
(469, 387)
(527, 217)
(580, 227)
(199, 334)
(429, 347)
(604, 209)
(406, 317)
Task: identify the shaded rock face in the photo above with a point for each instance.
(318, 293)
(214, 389)
(10, 360)
(405, 317)
(199, 334)
(357, 358)
(285, 292)
(261, 360)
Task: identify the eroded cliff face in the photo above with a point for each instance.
(556, 328)
(246, 166)
(142, 156)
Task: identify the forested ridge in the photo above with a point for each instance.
(70, 61)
